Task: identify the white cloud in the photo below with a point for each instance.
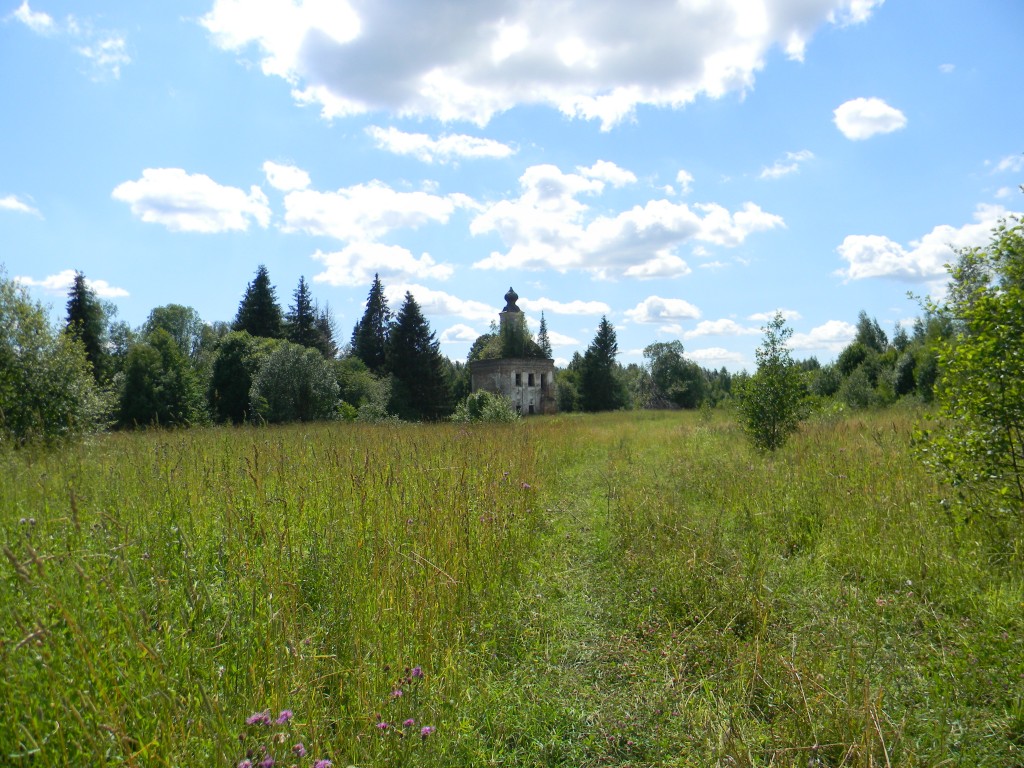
(357, 263)
(832, 337)
(1013, 163)
(549, 227)
(715, 356)
(561, 340)
(785, 167)
(1002, 193)
(458, 333)
(185, 202)
(449, 60)
(286, 178)
(861, 118)
(576, 307)
(723, 327)
(39, 22)
(364, 212)
(12, 203)
(608, 171)
(924, 259)
(946, 68)
(62, 282)
(107, 54)
(442, 149)
(685, 180)
(765, 317)
(434, 303)
(655, 309)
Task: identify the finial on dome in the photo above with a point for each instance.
(510, 301)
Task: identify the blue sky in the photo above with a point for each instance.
(685, 168)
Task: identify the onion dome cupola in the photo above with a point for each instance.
(510, 301)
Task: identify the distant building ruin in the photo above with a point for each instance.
(529, 382)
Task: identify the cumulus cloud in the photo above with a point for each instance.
(791, 164)
(924, 259)
(39, 22)
(576, 307)
(561, 340)
(12, 203)
(364, 212)
(764, 317)
(438, 303)
(859, 119)
(458, 333)
(1014, 163)
(609, 172)
(449, 60)
(107, 54)
(62, 282)
(723, 327)
(833, 336)
(655, 309)
(549, 226)
(443, 149)
(714, 356)
(684, 179)
(185, 202)
(286, 178)
(357, 263)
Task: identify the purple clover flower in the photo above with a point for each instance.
(259, 718)
(284, 717)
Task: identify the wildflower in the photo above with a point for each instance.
(299, 750)
(266, 762)
(284, 717)
(426, 730)
(245, 764)
(323, 764)
(417, 672)
(259, 718)
(409, 723)
(396, 694)
(383, 726)
(527, 486)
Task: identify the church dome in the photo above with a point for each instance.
(510, 301)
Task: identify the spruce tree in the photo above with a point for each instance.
(300, 325)
(422, 389)
(600, 387)
(325, 330)
(543, 341)
(87, 322)
(370, 335)
(259, 313)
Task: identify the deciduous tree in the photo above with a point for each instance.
(771, 401)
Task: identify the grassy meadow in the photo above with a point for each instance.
(632, 589)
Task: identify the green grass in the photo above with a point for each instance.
(630, 589)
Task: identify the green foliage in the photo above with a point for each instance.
(543, 340)
(301, 319)
(421, 389)
(238, 360)
(600, 388)
(676, 380)
(358, 387)
(978, 445)
(160, 387)
(294, 383)
(370, 335)
(87, 321)
(47, 388)
(771, 401)
(259, 314)
(485, 407)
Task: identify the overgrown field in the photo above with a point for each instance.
(629, 589)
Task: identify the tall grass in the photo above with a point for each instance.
(630, 589)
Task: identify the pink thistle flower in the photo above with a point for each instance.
(284, 717)
(409, 723)
(426, 730)
(245, 764)
(397, 693)
(259, 718)
(417, 672)
(299, 750)
(383, 726)
(323, 764)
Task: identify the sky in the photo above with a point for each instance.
(685, 168)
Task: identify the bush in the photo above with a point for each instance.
(771, 402)
(295, 383)
(484, 406)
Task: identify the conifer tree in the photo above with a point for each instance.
(543, 341)
(422, 390)
(325, 330)
(370, 335)
(87, 322)
(259, 313)
(301, 319)
(600, 387)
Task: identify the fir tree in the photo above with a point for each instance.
(422, 389)
(543, 341)
(600, 387)
(301, 319)
(259, 313)
(325, 330)
(370, 336)
(87, 322)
